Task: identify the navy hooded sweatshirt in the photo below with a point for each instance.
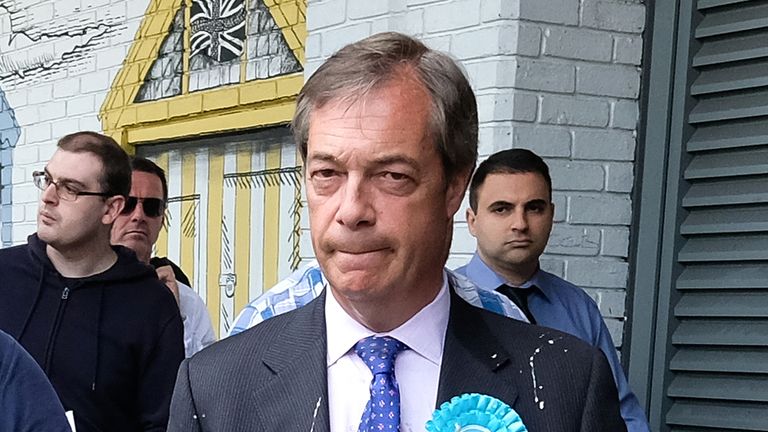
(110, 343)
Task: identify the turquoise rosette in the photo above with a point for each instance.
(475, 413)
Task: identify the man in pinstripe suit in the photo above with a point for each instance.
(388, 132)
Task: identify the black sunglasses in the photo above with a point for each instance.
(152, 207)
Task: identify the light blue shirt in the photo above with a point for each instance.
(563, 306)
(306, 283)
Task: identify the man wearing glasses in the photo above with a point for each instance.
(137, 228)
(98, 321)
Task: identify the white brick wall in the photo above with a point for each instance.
(49, 106)
(560, 77)
(602, 41)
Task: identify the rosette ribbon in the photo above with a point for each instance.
(475, 412)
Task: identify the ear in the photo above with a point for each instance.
(471, 217)
(454, 193)
(112, 208)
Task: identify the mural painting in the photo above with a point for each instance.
(9, 136)
(43, 41)
(234, 206)
(48, 38)
(206, 91)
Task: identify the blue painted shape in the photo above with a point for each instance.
(5, 159)
(9, 137)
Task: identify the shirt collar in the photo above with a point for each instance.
(486, 278)
(424, 333)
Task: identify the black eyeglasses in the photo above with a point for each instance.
(64, 189)
(152, 207)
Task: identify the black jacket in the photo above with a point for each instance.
(110, 343)
(178, 273)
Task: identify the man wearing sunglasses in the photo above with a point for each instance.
(137, 228)
(98, 322)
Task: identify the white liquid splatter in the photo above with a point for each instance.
(533, 375)
(536, 387)
(314, 415)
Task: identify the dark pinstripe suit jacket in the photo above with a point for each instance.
(273, 376)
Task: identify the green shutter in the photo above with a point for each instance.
(717, 377)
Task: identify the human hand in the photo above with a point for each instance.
(165, 274)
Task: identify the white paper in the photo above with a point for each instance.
(71, 419)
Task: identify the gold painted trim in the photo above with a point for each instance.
(291, 17)
(264, 101)
(271, 222)
(212, 124)
(143, 52)
(174, 117)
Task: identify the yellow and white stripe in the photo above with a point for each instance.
(239, 230)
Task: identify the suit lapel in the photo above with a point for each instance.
(296, 398)
(474, 361)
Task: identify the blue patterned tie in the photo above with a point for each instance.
(382, 413)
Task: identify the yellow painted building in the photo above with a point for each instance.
(206, 91)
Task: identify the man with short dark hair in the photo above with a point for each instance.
(511, 214)
(388, 131)
(99, 323)
(138, 226)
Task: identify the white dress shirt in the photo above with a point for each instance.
(198, 331)
(417, 369)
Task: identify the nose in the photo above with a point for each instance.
(355, 209)
(49, 195)
(138, 212)
(519, 220)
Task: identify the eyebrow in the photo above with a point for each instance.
(537, 201)
(507, 203)
(322, 157)
(66, 180)
(499, 203)
(396, 159)
(384, 160)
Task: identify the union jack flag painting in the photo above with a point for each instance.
(218, 28)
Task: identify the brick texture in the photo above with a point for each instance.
(64, 99)
(561, 77)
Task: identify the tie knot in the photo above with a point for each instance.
(379, 352)
(523, 291)
(519, 296)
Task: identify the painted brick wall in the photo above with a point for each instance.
(560, 77)
(70, 65)
(64, 93)
(58, 61)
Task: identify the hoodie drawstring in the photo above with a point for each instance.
(38, 296)
(98, 338)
